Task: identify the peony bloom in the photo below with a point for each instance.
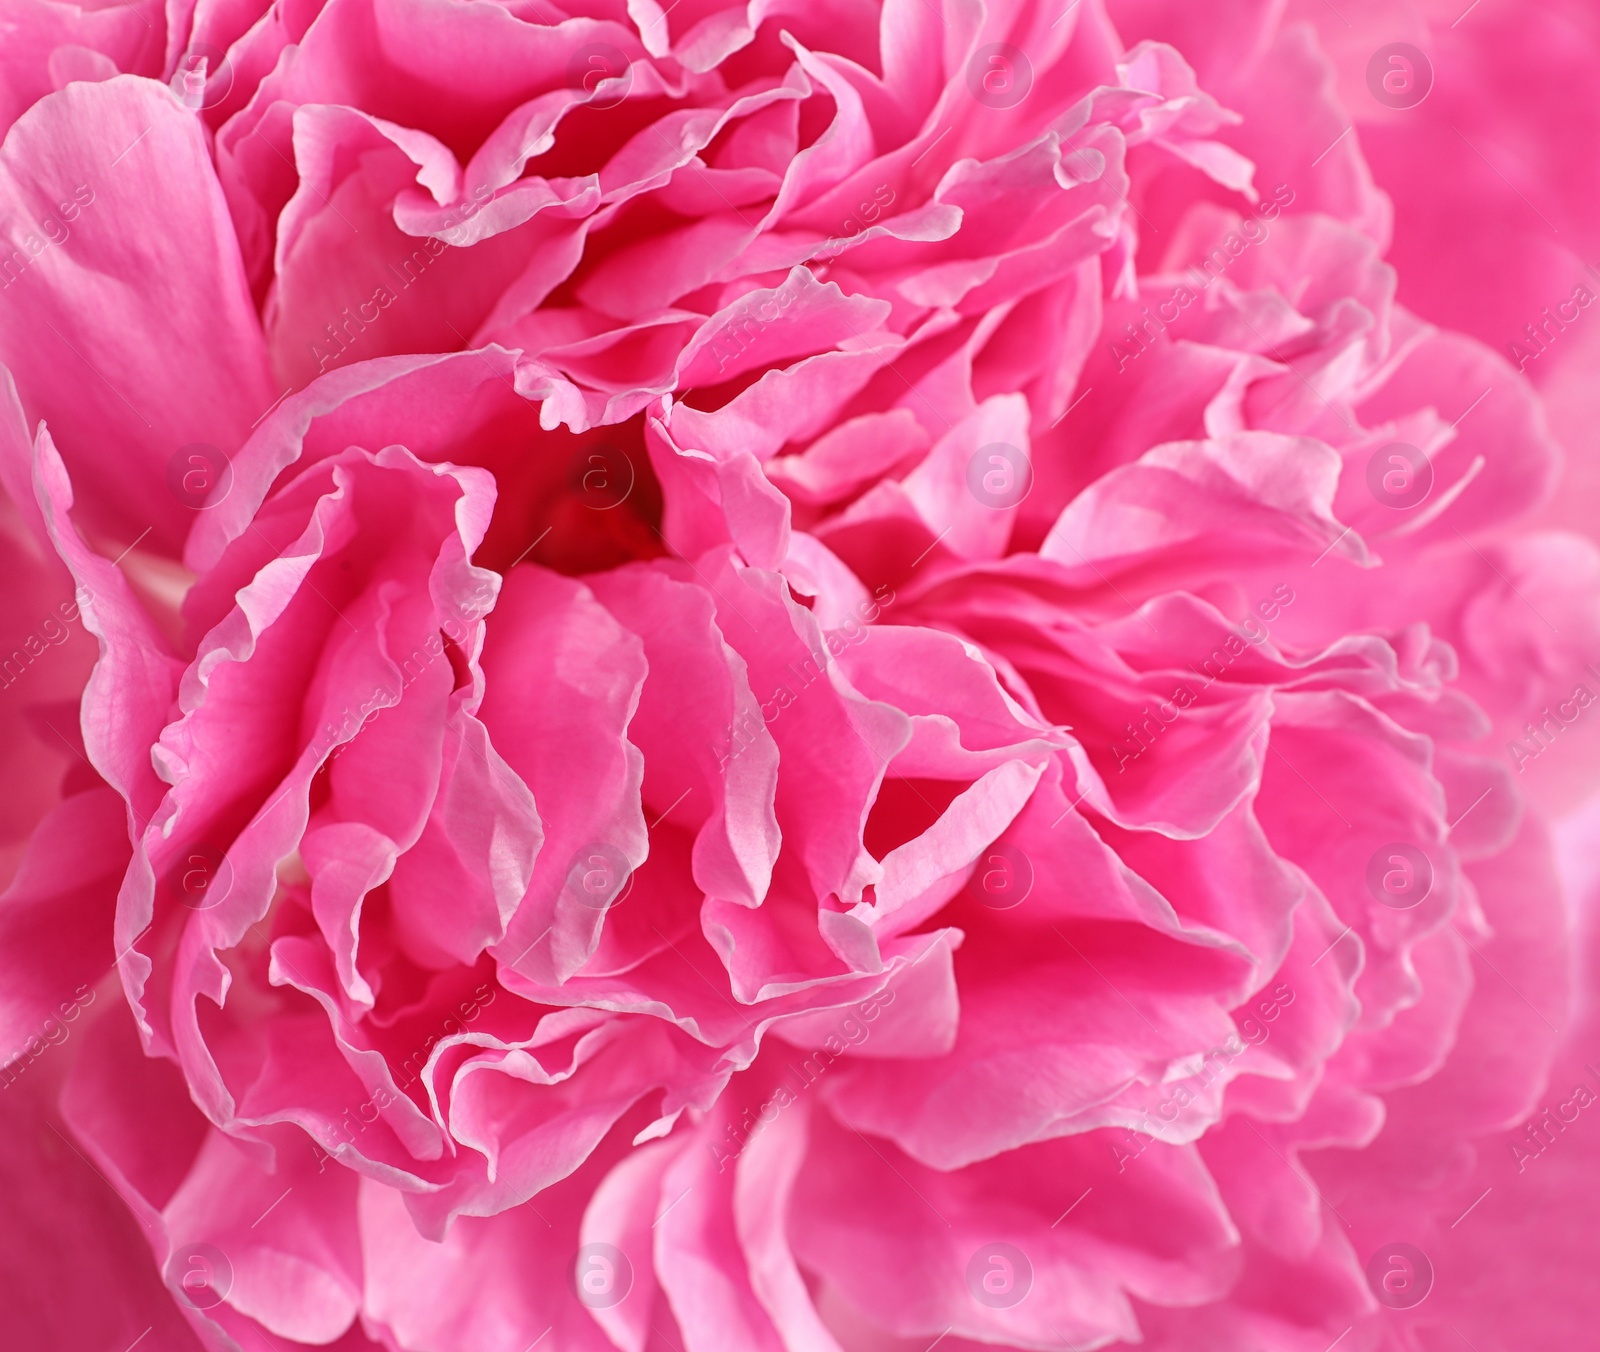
(781, 679)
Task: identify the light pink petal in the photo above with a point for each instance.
(145, 265)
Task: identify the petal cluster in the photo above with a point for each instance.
(762, 677)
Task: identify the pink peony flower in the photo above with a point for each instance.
(782, 679)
